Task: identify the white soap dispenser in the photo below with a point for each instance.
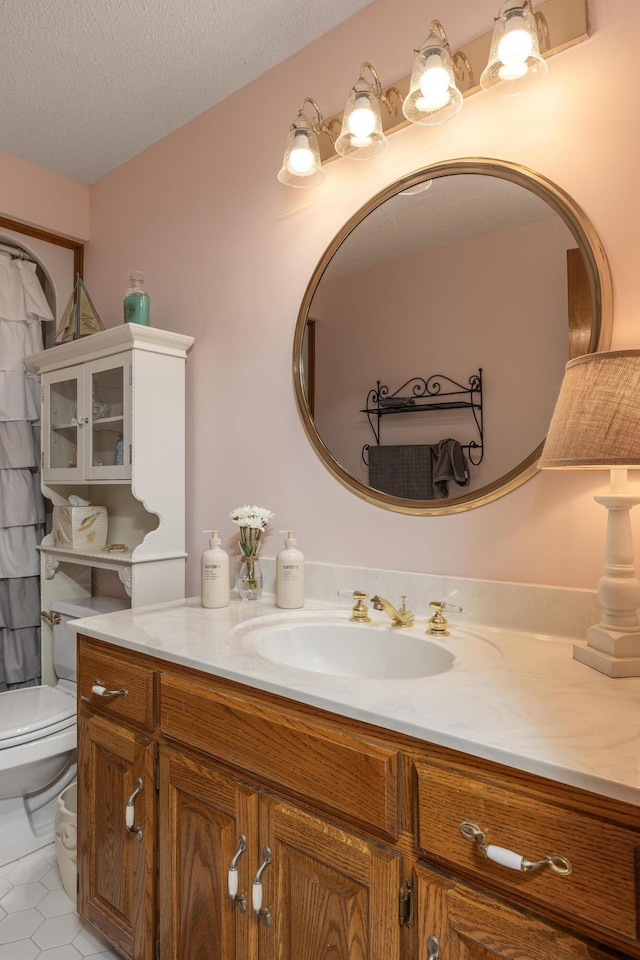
(214, 574)
(290, 575)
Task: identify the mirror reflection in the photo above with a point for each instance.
(434, 334)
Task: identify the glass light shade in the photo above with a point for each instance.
(361, 136)
(301, 166)
(515, 64)
(433, 95)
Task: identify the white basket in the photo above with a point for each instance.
(66, 841)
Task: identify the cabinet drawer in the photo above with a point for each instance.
(356, 780)
(115, 669)
(602, 888)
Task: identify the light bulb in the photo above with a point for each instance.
(434, 86)
(514, 50)
(362, 120)
(301, 156)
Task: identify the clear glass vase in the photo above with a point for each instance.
(249, 581)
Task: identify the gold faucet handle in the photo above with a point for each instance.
(360, 612)
(438, 624)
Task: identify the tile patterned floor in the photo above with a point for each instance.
(38, 921)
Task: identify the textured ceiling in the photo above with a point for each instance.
(88, 84)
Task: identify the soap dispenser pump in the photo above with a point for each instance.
(290, 575)
(214, 574)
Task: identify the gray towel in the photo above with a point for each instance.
(450, 464)
(415, 471)
(403, 470)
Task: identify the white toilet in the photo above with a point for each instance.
(38, 739)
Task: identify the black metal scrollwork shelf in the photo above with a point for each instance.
(418, 395)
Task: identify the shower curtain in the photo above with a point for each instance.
(22, 308)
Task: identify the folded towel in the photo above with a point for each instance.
(403, 470)
(399, 402)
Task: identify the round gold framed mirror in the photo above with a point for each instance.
(433, 335)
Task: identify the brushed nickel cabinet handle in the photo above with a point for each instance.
(262, 913)
(514, 861)
(130, 812)
(433, 948)
(98, 690)
(232, 881)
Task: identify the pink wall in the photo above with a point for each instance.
(43, 199)
(228, 252)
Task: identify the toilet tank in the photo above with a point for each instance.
(64, 639)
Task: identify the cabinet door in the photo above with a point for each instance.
(116, 866)
(63, 425)
(467, 925)
(329, 893)
(108, 453)
(87, 416)
(203, 813)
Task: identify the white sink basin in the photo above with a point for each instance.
(344, 649)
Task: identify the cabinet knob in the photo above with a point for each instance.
(508, 858)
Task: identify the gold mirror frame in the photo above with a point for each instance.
(601, 296)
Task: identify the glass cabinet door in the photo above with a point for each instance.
(86, 424)
(109, 455)
(63, 425)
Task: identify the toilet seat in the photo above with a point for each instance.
(31, 713)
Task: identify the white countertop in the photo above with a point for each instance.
(515, 698)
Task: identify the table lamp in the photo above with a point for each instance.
(596, 426)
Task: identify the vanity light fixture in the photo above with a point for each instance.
(515, 64)
(361, 136)
(301, 165)
(508, 60)
(433, 95)
(596, 426)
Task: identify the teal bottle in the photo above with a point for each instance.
(136, 301)
(118, 453)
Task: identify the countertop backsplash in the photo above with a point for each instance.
(553, 611)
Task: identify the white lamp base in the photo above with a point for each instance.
(613, 646)
(612, 666)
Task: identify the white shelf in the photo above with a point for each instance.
(102, 557)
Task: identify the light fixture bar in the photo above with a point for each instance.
(565, 23)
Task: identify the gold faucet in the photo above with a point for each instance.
(399, 618)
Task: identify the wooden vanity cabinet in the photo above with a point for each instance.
(455, 921)
(323, 890)
(203, 813)
(116, 890)
(350, 817)
(117, 766)
(524, 815)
